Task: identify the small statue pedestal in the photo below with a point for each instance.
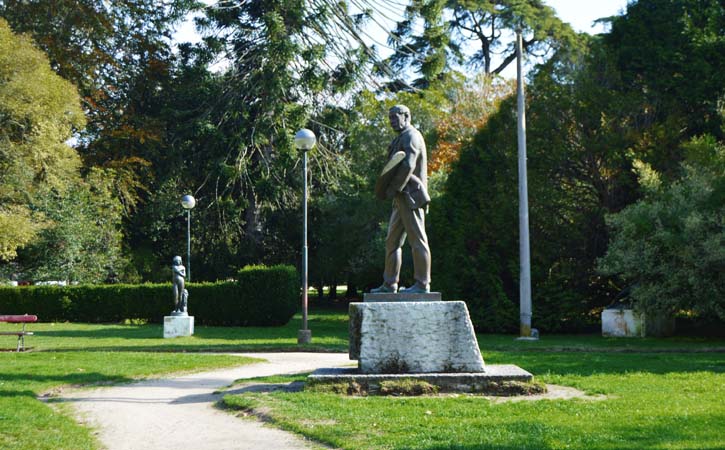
(178, 325)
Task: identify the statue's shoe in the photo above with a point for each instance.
(416, 289)
(385, 289)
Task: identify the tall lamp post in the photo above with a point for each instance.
(524, 255)
(304, 140)
(188, 202)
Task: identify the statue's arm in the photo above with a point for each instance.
(413, 145)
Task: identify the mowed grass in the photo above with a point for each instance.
(654, 401)
(65, 354)
(663, 393)
(660, 394)
(329, 334)
(28, 423)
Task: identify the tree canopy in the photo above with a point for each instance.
(479, 35)
(152, 120)
(39, 111)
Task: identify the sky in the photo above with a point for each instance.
(580, 14)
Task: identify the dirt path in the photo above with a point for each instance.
(178, 413)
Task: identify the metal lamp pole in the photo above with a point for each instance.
(304, 140)
(524, 255)
(188, 202)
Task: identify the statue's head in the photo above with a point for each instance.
(399, 116)
(177, 260)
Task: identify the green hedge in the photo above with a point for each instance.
(261, 296)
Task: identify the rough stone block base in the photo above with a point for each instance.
(178, 326)
(413, 337)
(446, 382)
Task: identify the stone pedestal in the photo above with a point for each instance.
(446, 382)
(401, 297)
(413, 337)
(178, 326)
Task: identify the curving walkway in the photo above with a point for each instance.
(178, 413)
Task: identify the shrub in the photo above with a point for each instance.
(276, 291)
(262, 296)
(669, 246)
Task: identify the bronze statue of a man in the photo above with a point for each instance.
(406, 183)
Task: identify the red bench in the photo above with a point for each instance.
(24, 319)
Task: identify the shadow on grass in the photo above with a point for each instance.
(110, 332)
(155, 331)
(5, 393)
(60, 379)
(204, 348)
(592, 363)
(521, 446)
(323, 328)
(295, 386)
(668, 432)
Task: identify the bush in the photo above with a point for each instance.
(262, 296)
(669, 246)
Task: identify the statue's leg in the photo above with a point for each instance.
(414, 223)
(177, 296)
(393, 247)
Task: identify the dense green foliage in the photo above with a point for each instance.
(216, 119)
(589, 125)
(38, 112)
(65, 224)
(474, 34)
(671, 245)
(574, 178)
(669, 55)
(261, 296)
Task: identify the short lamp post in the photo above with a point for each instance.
(304, 140)
(188, 202)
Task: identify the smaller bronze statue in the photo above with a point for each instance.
(181, 295)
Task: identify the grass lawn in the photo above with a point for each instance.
(84, 354)
(329, 333)
(27, 423)
(660, 395)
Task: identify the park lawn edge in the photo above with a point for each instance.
(657, 391)
(32, 385)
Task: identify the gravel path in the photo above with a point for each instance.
(178, 413)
